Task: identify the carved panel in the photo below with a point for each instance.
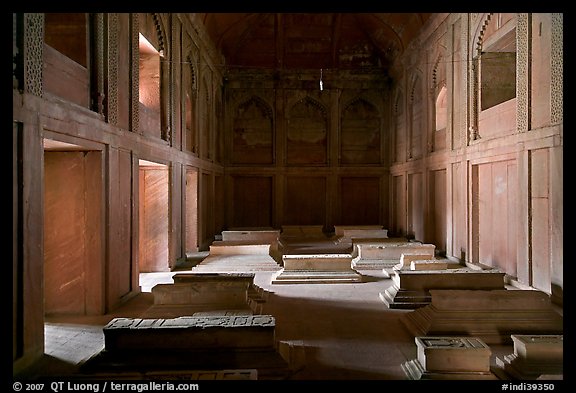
(33, 53)
(523, 24)
(112, 77)
(98, 90)
(463, 110)
(159, 32)
(557, 66)
(172, 86)
(134, 73)
(16, 51)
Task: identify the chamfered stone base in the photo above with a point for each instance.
(205, 364)
(414, 371)
(199, 343)
(315, 277)
(534, 356)
(490, 315)
(411, 288)
(316, 268)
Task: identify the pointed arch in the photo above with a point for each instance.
(253, 132)
(416, 116)
(360, 139)
(307, 133)
(399, 121)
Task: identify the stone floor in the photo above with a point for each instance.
(341, 331)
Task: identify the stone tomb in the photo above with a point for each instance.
(428, 264)
(255, 295)
(450, 358)
(347, 233)
(385, 255)
(200, 343)
(195, 292)
(317, 268)
(227, 247)
(192, 293)
(407, 259)
(237, 256)
(534, 356)
(191, 333)
(411, 288)
(339, 229)
(255, 236)
(490, 315)
(306, 231)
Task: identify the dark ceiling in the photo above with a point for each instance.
(312, 41)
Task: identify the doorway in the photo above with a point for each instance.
(153, 217)
(73, 238)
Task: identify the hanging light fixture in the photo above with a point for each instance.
(321, 87)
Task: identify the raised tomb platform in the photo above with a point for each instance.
(340, 229)
(384, 255)
(490, 315)
(535, 357)
(306, 231)
(192, 293)
(255, 236)
(228, 247)
(237, 256)
(348, 233)
(191, 333)
(201, 343)
(317, 268)
(411, 287)
(450, 358)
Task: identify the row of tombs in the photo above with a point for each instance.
(209, 323)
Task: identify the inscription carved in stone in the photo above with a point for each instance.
(192, 322)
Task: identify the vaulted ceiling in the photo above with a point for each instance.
(312, 41)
